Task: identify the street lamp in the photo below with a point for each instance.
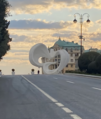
(81, 23)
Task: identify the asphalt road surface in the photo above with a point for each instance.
(50, 97)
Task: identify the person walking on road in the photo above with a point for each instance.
(38, 72)
(0, 73)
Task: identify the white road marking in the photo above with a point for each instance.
(59, 104)
(55, 78)
(67, 110)
(70, 82)
(96, 88)
(48, 96)
(74, 116)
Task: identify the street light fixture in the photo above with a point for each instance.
(75, 21)
(81, 23)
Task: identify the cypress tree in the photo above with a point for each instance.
(4, 34)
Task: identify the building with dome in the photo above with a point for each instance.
(72, 48)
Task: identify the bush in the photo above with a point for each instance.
(76, 71)
(85, 59)
(98, 64)
(92, 68)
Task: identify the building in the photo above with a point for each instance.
(72, 48)
(93, 50)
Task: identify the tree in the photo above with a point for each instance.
(92, 68)
(98, 64)
(4, 35)
(85, 59)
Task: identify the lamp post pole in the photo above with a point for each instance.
(81, 24)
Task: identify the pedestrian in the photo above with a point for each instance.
(38, 72)
(0, 73)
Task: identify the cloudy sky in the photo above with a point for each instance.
(43, 21)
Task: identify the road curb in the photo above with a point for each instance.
(99, 77)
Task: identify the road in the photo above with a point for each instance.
(50, 97)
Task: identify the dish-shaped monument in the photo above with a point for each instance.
(40, 50)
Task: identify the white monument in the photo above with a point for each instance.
(40, 50)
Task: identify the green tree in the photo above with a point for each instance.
(92, 68)
(98, 64)
(85, 59)
(4, 35)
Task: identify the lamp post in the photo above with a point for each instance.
(81, 23)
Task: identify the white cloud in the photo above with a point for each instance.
(98, 21)
(39, 24)
(30, 6)
(39, 6)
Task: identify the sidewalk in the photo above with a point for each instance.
(99, 77)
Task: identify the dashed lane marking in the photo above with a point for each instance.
(70, 82)
(55, 78)
(67, 110)
(59, 104)
(96, 88)
(74, 116)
